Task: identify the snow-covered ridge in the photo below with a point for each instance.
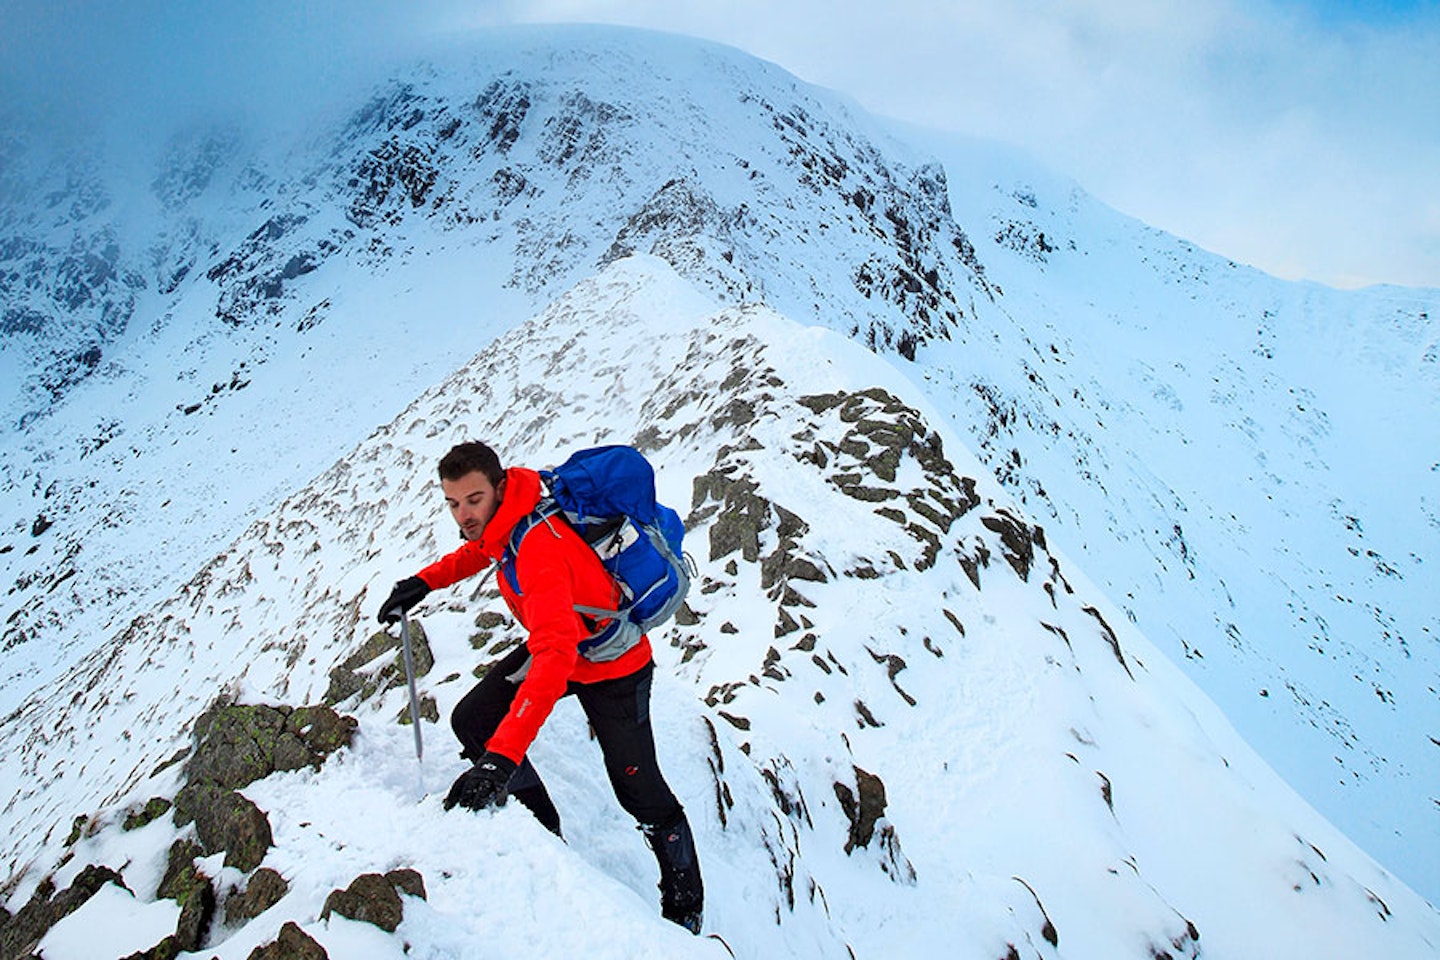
(868, 606)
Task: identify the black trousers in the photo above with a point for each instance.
(619, 714)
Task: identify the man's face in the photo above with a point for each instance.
(472, 501)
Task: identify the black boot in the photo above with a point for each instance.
(682, 895)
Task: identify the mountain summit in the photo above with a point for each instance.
(897, 694)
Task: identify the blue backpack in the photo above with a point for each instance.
(607, 494)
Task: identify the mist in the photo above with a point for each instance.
(124, 74)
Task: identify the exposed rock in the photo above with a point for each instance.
(350, 678)
(78, 828)
(784, 623)
(864, 810)
(154, 808)
(196, 913)
(786, 564)
(1018, 540)
(181, 876)
(408, 881)
(167, 949)
(1110, 638)
(373, 898)
(265, 889)
(974, 561)
(742, 515)
(236, 745)
(488, 622)
(227, 820)
(292, 944)
(880, 435)
(893, 665)
(429, 710)
(864, 813)
(46, 908)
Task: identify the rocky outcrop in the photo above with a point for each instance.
(373, 898)
(234, 746)
(864, 807)
(365, 673)
(265, 889)
(45, 908)
(237, 744)
(292, 943)
(192, 890)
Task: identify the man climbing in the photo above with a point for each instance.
(554, 572)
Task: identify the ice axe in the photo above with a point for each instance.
(410, 679)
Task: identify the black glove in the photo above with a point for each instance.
(406, 594)
(483, 785)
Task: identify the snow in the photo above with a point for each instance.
(1035, 777)
(125, 923)
(1241, 464)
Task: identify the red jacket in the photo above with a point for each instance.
(556, 570)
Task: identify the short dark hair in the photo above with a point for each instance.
(468, 457)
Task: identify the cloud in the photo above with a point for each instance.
(133, 63)
(1302, 136)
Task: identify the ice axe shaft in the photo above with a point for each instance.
(410, 679)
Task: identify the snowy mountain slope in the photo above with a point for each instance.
(1192, 429)
(866, 601)
(1247, 466)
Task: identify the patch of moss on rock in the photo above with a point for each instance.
(154, 808)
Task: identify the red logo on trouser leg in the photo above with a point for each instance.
(630, 771)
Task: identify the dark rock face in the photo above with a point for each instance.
(346, 679)
(265, 889)
(292, 944)
(228, 820)
(862, 810)
(196, 914)
(239, 743)
(20, 933)
(153, 809)
(373, 898)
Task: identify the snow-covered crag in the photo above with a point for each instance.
(1244, 466)
(902, 724)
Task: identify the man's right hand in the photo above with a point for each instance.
(483, 785)
(406, 594)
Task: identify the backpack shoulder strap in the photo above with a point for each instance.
(542, 513)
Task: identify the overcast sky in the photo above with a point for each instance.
(1300, 136)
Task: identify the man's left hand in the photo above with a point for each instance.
(483, 785)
